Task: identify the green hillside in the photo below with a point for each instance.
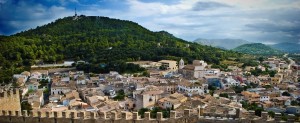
(287, 47)
(257, 49)
(98, 40)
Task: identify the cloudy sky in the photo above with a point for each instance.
(266, 21)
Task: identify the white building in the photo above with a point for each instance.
(59, 87)
(33, 84)
(192, 87)
(40, 76)
(264, 97)
(68, 63)
(81, 80)
(181, 64)
(231, 82)
(36, 96)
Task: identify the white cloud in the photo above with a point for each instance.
(224, 22)
(191, 19)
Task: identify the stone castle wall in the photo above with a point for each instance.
(10, 112)
(10, 100)
(128, 117)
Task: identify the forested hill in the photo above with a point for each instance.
(98, 40)
(257, 49)
(287, 47)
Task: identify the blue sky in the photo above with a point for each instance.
(266, 21)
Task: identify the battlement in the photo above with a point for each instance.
(10, 100)
(10, 93)
(133, 117)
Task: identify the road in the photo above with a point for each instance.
(292, 62)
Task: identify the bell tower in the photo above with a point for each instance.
(181, 64)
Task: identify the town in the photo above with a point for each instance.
(166, 86)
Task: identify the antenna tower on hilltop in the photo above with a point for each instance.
(75, 12)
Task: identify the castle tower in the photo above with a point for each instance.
(10, 100)
(181, 64)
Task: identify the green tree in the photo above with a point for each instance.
(224, 95)
(271, 114)
(286, 94)
(26, 106)
(142, 112)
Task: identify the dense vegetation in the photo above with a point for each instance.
(257, 49)
(153, 112)
(253, 106)
(295, 57)
(98, 40)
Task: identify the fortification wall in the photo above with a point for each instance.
(10, 100)
(128, 117)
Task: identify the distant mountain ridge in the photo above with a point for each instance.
(287, 47)
(222, 43)
(257, 49)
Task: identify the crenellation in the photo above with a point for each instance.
(30, 113)
(73, 115)
(92, 115)
(173, 114)
(291, 118)
(125, 115)
(187, 112)
(277, 117)
(251, 114)
(39, 114)
(18, 113)
(135, 116)
(264, 116)
(4, 113)
(42, 117)
(114, 115)
(9, 113)
(25, 113)
(64, 114)
(159, 116)
(48, 114)
(55, 114)
(80, 114)
(103, 115)
(11, 92)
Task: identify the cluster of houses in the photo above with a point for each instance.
(171, 84)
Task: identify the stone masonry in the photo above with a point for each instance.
(10, 100)
(128, 117)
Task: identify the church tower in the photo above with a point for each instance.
(181, 64)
